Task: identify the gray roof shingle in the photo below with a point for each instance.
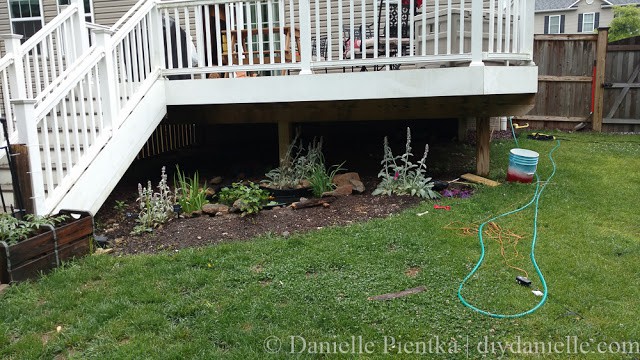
(547, 5)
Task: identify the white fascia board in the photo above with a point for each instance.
(459, 81)
(500, 80)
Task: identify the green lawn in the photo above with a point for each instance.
(232, 300)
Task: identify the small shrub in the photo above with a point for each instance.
(249, 199)
(156, 208)
(401, 177)
(13, 230)
(188, 192)
(120, 207)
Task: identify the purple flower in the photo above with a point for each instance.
(396, 176)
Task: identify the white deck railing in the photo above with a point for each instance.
(214, 36)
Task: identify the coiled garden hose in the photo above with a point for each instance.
(535, 201)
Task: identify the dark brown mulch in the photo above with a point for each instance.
(206, 230)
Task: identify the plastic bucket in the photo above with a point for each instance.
(522, 165)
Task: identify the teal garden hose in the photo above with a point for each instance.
(534, 201)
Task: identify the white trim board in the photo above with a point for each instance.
(418, 83)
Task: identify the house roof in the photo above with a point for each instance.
(549, 5)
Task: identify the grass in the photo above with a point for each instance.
(226, 301)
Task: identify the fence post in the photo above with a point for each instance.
(598, 94)
(79, 25)
(107, 79)
(17, 83)
(305, 37)
(28, 135)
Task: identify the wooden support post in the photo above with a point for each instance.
(28, 135)
(483, 134)
(284, 137)
(21, 162)
(601, 59)
(463, 127)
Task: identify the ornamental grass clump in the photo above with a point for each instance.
(402, 177)
(156, 208)
(188, 192)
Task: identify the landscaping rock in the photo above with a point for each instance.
(350, 178)
(305, 183)
(343, 179)
(210, 192)
(216, 180)
(358, 186)
(342, 190)
(237, 205)
(214, 209)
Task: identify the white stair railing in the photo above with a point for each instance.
(30, 69)
(74, 120)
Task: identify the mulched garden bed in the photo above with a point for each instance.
(205, 230)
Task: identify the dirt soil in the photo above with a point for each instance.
(206, 230)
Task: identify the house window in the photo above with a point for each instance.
(26, 17)
(588, 22)
(88, 9)
(264, 24)
(554, 24)
(264, 12)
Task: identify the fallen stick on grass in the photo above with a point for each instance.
(400, 294)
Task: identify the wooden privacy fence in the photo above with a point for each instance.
(622, 86)
(581, 79)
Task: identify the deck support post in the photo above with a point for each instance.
(463, 126)
(284, 137)
(598, 94)
(21, 160)
(28, 135)
(483, 139)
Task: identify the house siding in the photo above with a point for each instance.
(571, 16)
(5, 23)
(107, 12)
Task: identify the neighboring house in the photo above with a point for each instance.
(26, 17)
(574, 16)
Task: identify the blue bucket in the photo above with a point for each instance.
(522, 165)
